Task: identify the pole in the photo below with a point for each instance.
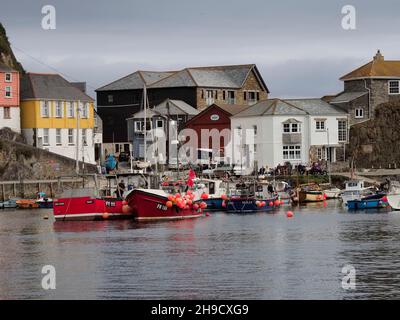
(77, 138)
(145, 122)
(329, 158)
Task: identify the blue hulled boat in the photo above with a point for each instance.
(375, 201)
(251, 198)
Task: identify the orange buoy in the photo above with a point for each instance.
(204, 196)
(207, 214)
(105, 215)
(271, 204)
(169, 204)
(289, 214)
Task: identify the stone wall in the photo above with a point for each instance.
(21, 161)
(250, 85)
(375, 143)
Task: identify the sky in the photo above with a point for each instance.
(300, 47)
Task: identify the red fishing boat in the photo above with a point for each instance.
(90, 208)
(154, 204)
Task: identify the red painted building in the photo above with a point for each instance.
(215, 120)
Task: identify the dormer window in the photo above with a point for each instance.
(394, 87)
(359, 113)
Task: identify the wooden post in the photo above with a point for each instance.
(51, 190)
(15, 189)
(3, 192)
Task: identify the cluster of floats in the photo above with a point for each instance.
(195, 197)
(176, 199)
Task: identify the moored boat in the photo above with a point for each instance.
(308, 193)
(375, 201)
(9, 204)
(154, 204)
(251, 198)
(27, 204)
(355, 190)
(333, 193)
(89, 208)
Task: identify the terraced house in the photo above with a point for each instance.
(9, 98)
(199, 87)
(56, 116)
(368, 86)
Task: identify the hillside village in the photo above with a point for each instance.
(48, 112)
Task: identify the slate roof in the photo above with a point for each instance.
(377, 68)
(348, 96)
(50, 86)
(232, 76)
(176, 107)
(291, 107)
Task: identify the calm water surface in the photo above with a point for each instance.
(261, 256)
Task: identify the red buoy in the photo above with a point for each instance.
(289, 214)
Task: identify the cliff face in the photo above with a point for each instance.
(376, 143)
(7, 56)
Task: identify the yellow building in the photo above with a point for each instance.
(56, 114)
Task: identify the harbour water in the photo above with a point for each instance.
(260, 256)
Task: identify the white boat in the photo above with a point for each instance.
(355, 190)
(393, 196)
(333, 193)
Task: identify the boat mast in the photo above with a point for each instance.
(77, 137)
(329, 158)
(145, 121)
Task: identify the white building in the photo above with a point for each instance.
(298, 131)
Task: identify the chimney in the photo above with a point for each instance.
(379, 56)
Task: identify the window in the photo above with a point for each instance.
(255, 130)
(84, 137)
(210, 97)
(291, 128)
(46, 137)
(110, 98)
(321, 154)
(71, 109)
(70, 136)
(255, 148)
(8, 77)
(8, 92)
(159, 124)
(224, 95)
(252, 96)
(7, 113)
(359, 113)
(292, 152)
(320, 125)
(394, 87)
(139, 126)
(58, 137)
(45, 111)
(231, 97)
(342, 130)
(59, 109)
(85, 110)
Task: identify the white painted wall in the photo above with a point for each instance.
(14, 123)
(269, 136)
(65, 149)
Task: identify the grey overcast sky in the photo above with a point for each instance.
(299, 46)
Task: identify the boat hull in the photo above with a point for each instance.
(88, 209)
(311, 196)
(394, 201)
(147, 206)
(248, 205)
(215, 204)
(366, 204)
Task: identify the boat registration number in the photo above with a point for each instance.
(162, 207)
